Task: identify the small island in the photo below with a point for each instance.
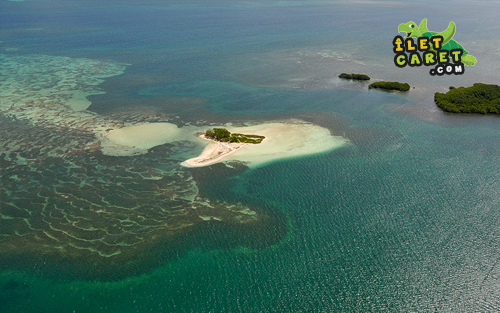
(479, 98)
(224, 135)
(354, 76)
(389, 86)
(274, 141)
(224, 143)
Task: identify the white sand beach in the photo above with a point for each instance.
(215, 152)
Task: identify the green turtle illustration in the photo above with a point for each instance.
(412, 31)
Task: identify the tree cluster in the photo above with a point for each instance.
(224, 135)
(354, 76)
(479, 98)
(219, 134)
(390, 86)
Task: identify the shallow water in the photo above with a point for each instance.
(404, 218)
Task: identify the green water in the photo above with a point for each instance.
(403, 219)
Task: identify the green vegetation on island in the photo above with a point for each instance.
(390, 86)
(224, 135)
(479, 98)
(354, 76)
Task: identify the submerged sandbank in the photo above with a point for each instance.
(283, 140)
(138, 138)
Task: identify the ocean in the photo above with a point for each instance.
(405, 217)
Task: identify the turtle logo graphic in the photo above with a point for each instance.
(437, 48)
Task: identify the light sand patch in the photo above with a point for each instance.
(145, 135)
(283, 141)
(133, 139)
(139, 138)
(210, 218)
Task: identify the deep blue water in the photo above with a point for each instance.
(404, 219)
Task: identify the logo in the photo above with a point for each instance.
(431, 48)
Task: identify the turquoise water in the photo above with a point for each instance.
(403, 219)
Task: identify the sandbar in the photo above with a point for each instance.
(138, 138)
(284, 140)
